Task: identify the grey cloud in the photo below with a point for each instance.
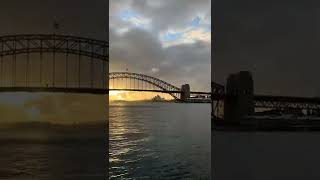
(171, 13)
(276, 40)
(136, 49)
(141, 50)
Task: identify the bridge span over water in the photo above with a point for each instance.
(128, 81)
(63, 63)
(238, 100)
(70, 64)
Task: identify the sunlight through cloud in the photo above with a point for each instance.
(135, 19)
(197, 30)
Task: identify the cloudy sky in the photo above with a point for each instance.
(277, 40)
(167, 39)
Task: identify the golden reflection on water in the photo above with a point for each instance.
(118, 130)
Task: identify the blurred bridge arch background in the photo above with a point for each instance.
(53, 63)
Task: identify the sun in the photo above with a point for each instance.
(114, 93)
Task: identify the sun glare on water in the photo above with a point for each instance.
(115, 95)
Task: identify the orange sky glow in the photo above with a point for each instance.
(135, 96)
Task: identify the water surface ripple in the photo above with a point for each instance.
(159, 141)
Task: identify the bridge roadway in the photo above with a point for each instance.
(160, 91)
(261, 101)
(55, 89)
(309, 103)
(84, 90)
(279, 102)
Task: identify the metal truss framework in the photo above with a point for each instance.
(217, 96)
(284, 102)
(30, 43)
(267, 102)
(280, 102)
(217, 88)
(164, 86)
(95, 50)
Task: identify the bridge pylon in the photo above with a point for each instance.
(239, 101)
(185, 92)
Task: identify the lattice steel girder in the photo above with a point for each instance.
(32, 43)
(279, 102)
(151, 80)
(174, 91)
(217, 88)
(217, 108)
(282, 102)
(286, 105)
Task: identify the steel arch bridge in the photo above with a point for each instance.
(309, 104)
(151, 84)
(29, 43)
(84, 59)
(218, 92)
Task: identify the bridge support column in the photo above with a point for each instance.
(185, 92)
(239, 101)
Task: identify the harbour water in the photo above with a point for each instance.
(48, 152)
(159, 141)
(266, 155)
(147, 141)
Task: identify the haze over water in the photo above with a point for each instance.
(49, 137)
(159, 140)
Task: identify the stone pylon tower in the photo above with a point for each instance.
(185, 92)
(239, 101)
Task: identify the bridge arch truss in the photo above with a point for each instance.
(163, 86)
(93, 51)
(29, 43)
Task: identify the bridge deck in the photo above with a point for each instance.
(275, 99)
(55, 89)
(81, 90)
(160, 91)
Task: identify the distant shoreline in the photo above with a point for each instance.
(151, 101)
(148, 101)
